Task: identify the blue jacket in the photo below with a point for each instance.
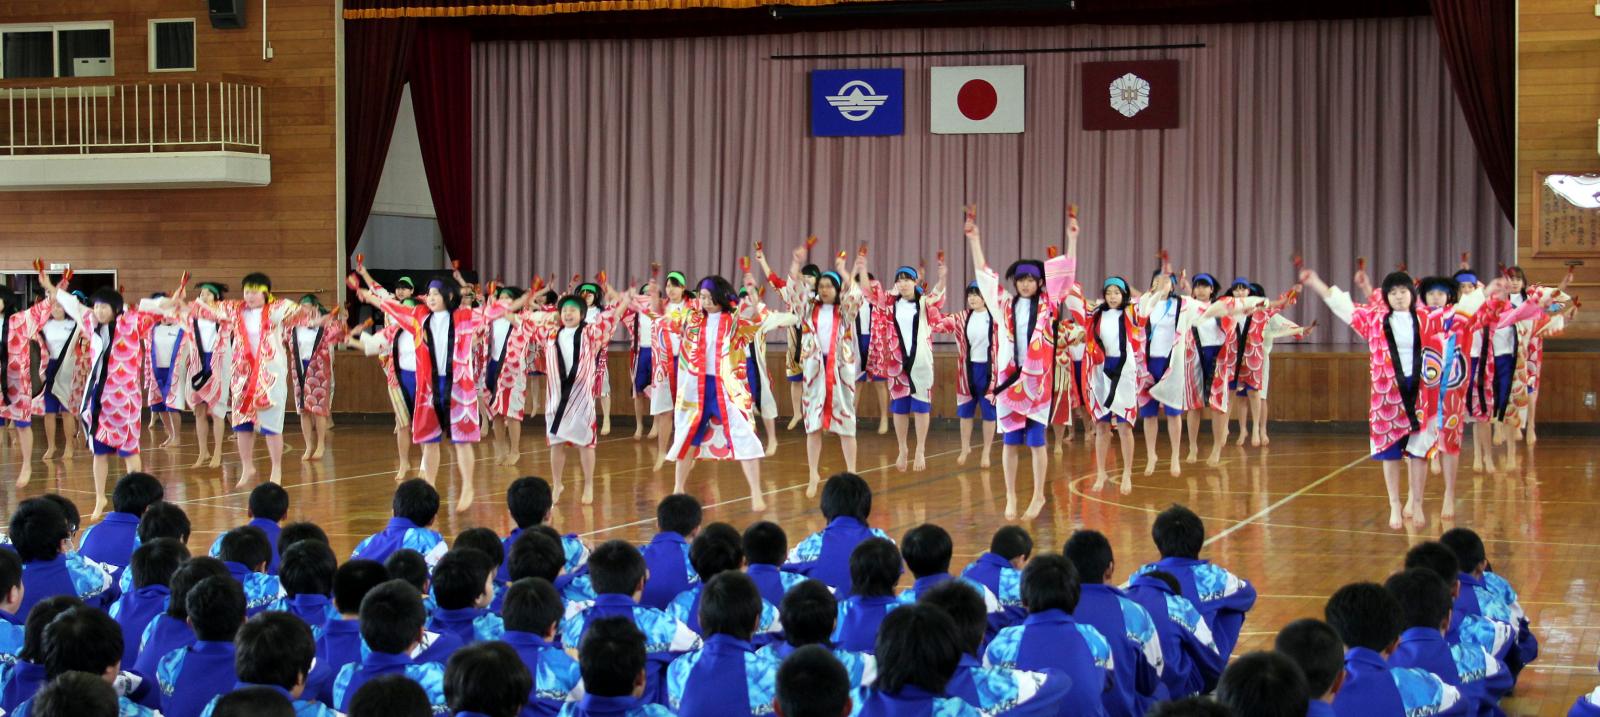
(1135, 648)
(910, 702)
(1373, 689)
(1005, 581)
(686, 607)
(401, 533)
(991, 603)
(856, 628)
(1482, 679)
(1004, 691)
(430, 675)
(472, 624)
(825, 555)
(262, 592)
(271, 528)
(133, 613)
(67, 574)
(191, 677)
(1221, 597)
(339, 645)
(576, 552)
(1193, 664)
(315, 610)
(725, 677)
(111, 541)
(773, 581)
(667, 557)
(595, 706)
(555, 673)
(1052, 641)
(665, 637)
(12, 629)
(302, 707)
(163, 635)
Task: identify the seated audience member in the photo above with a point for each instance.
(390, 696)
(528, 501)
(1193, 663)
(717, 549)
(812, 683)
(727, 675)
(1425, 614)
(1483, 592)
(191, 676)
(927, 550)
(392, 619)
(532, 614)
(307, 574)
(170, 630)
(918, 653)
(1316, 649)
(1496, 638)
(160, 520)
(617, 570)
(39, 533)
(246, 552)
(1368, 621)
(825, 555)
(808, 615)
(1221, 597)
(463, 585)
(297, 531)
(85, 639)
(1264, 684)
(765, 545)
(612, 659)
(670, 572)
(269, 504)
(1000, 570)
(486, 541)
(874, 569)
(486, 679)
(275, 651)
(111, 541)
(77, 694)
(340, 643)
(1050, 639)
(415, 506)
(27, 675)
(153, 566)
(253, 702)
(12, 627)
(1126, 625)
(993, 689)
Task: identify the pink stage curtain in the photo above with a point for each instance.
(1336, 139)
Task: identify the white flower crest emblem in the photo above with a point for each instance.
(1130, 93)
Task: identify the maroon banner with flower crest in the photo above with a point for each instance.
(1130, 95)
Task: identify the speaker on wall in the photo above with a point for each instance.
(227, 14)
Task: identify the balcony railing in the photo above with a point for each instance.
(131, 118)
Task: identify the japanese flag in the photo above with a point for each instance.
(976, 100)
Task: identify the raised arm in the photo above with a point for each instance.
(969, 228)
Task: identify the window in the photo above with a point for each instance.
(72, 49)
(172, 45)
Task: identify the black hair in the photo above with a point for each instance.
(549, 297)
(257, 277)
(1010, 542)
(448, 290)
(1364, 615)
(510, 292)
(965, 607)
(1166, 578)
(108, 296)
(535, 554)
(1397, 280)
(927, 549)
(1423, 596)
(1436, 557)
(1447, 284)
(616, 567)
(246, 545)
(1178, 533)
(678, 513)
(765, 543)
(134, 492)
(812, 683)
(484, 541)
(846, 495)
(274, 648)
(408, 565)
(528, 500)
(716, 549)
(68, 508)
(916, 646)
(298, 531)
(269, 501)
(1050, 582)
(37, 529)
(1091, 554)
(353, 580)
(253, 702)
(11, 572)
(808, 613)
(722, 292)
(811, 270)
(33, 628)
(487, 678)
(1264, 684)
(153, 563)
(82, 639)
(416, 501)
(75, 694)
(164, 520)
(392, 617)
(190, 573)
(532, 605)
(216, 608)
(874, 568)
(838, 286)
(1468, 547)
(390, 696)
(730, 604)
(459, 578)
(611, 657)
(1316, 648)
(1011, 271)
(1196, 706)
(308, 568)
(215, 287)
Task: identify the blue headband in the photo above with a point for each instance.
(1466, 278)
(1241, 281)
(834, 275)
(1116, 281)
(1027, 270)
(437, 284)
(1212, 280)
(906, 271)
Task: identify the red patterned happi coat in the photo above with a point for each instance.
(20, 328)
(313, 387)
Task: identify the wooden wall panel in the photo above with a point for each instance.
(287, 229)
(1558, 104)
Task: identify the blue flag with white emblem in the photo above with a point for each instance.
(858, 103)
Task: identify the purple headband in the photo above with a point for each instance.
(437, 284)
(708, 285)
(1027, 270)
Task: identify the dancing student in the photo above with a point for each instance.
(536, 368)
(641, 356)
(1207, 335)
(506, 375)
(19, 327)
(794, 365)
(573, 344)
(907, 363)
(1067, 392)
(872, 328)
(1279, 328)
(313, 371)
(209, 380)
(110, 406)
(396, 352)
(1397, 331)
(714, 419)
(1247, 358)
(166, 362)
(260, 369)
(1524, 344)
(828, 352)
(1025, 373)
(66, 365)
(443, 387)
(665, 348)
(591, 294)
(977, 337)
(1114, 369)
(755, 366)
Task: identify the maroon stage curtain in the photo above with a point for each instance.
(1478, 38)
(377, 55)
(441, 95)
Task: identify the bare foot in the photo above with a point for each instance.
(1194, 456)
(588, 493)
(465, 502)
(99, 508)
(984, 461)
(25, 476)
(400, 475)
(1177, 468)
(67, 454)
(201, 461)
(1099, 480)
(1059, 449)
(758, 503)
(661, 458)
(883, 427)
(317, 454)
(1266, 440)
(1150, 467)
(638, 432)
(811, 485)
(1406, 511)
(961, 460)
(216, 460)
(1127, 481)
(49, 453)
(1255, 440)
(555, 491)
(1489, 465)
(1034, 508)
(1532, 437)
(920, 464)
(277, 475)
(605, 428)
(247, 475)
(1011, 507)
(1433, 466)
(1396, 522)
(1448, 510)
(792, 423)
(1420, 519)
(1240, 442)
(305, 455)
(900, 462)
(1477, 464)
(654, 431)
(772, 447)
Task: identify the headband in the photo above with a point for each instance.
(1204, 278)
(589, 287)
(1466, 277)
(973, 286)
(258, 287)
(1116, 281)
(1439, 283)
(1027, 270)
(907, 272)
(708, 284)
(407, 281)
(438, 284)
(569, 299)
(678, 275)
(834, 275)
(211, 286)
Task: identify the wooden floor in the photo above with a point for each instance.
(1299, 518)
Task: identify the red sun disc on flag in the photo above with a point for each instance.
(977, 100)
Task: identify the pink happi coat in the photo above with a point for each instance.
(257, 372)
(569, 406)
(1451, 382)
(214, 392)
(663, 357)
(1117, 397)
(956, 325)
(828, 393)
(115, 368)
(461, 406)
(1069, 388)
(1024, 384)
(732, 438)
(907, 379)
(510, 392)
(1250, 365)
(1530, 353)
(68, 380)
(313, 388)
(20, 328)
(177, 391)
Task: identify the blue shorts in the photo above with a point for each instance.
(978, 379)
(752, 378)
(1031, 435)
(797, 378)
(1152, 407)
(408, 386)
(51, 403)
(491, 375)
(1504, 367)
(250, 427)
(101, 449)
(1239, 389)
(643, 370)
(1208, 368)
(1398, 450)
(710, 412)
(15, 424)
(907, 406)
(1112, 365)
(864, 341)
(163, 382)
